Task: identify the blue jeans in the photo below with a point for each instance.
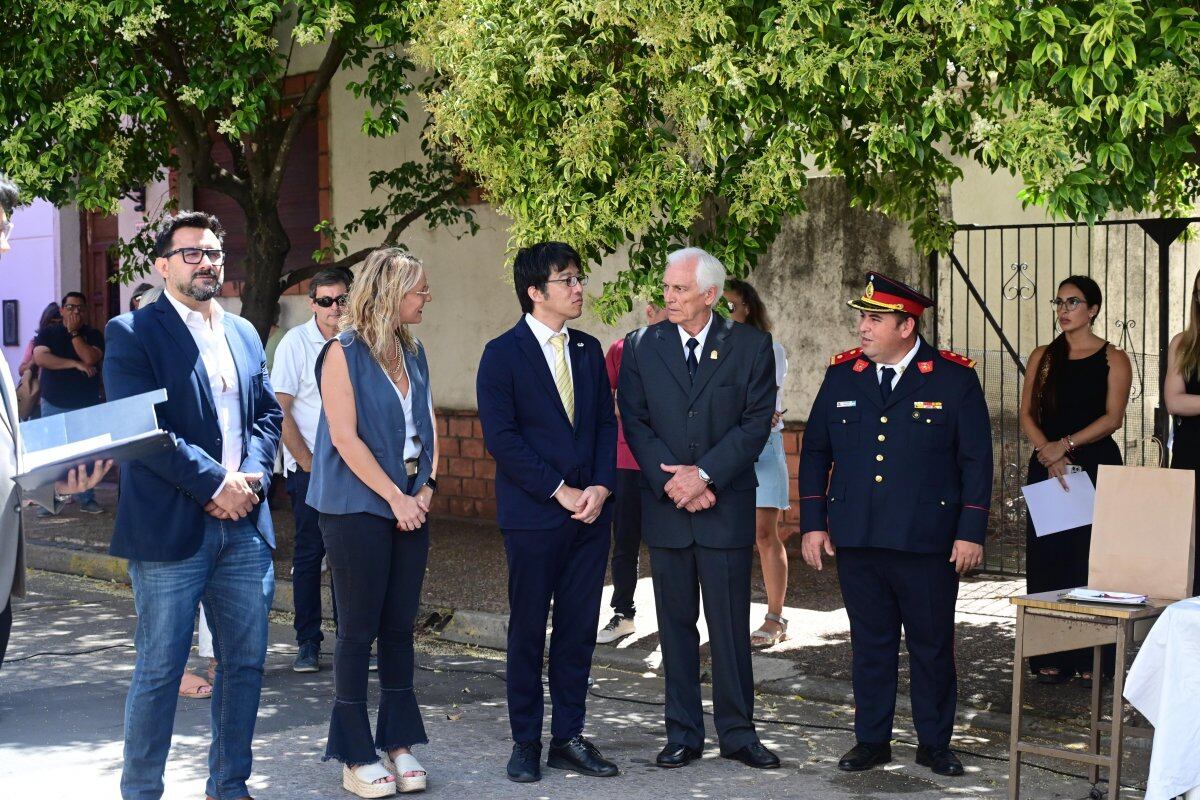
(306, 563)
(233, 575)
(49, 410)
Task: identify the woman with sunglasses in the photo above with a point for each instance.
(1074, 397)
(372, 482)
(1182, 396)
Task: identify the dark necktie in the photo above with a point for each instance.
(692, 363)
(885, 382)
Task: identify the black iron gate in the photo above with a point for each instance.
(993, 291)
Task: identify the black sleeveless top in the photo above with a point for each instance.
(1185, 449)
(1081, 398)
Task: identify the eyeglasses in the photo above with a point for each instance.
(571, 280)
(426, 294)
(195, 255)
(1071, 303)
(326, 302)
(72, 307)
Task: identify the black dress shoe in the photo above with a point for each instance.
(755, 755)
(939, 759)
(524, 766)
(580, 755)
(676, 755)
(864, 756)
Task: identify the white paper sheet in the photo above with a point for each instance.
(1053, 509)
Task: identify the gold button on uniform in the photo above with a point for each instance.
(879, 479)
(881, 438)
(883, 420)
(879, 457)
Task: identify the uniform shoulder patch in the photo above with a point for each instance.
(962, 361)
(842, 358)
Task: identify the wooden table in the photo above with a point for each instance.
(1048, 624)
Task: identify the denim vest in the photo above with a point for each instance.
(333, 487)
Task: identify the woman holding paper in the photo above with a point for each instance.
(1182, 396)
(1073, 400)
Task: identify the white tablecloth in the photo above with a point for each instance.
(1164, 684)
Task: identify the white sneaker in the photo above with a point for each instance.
(616, 628)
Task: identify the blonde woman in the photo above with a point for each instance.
(1182, 394)
(372, 481)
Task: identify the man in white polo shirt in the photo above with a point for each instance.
(294, 377)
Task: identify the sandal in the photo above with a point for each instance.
(368, 780)
(762, 638)
(403, 767)
(1052, 675)
(193, 687)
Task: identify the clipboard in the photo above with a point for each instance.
(123, 430)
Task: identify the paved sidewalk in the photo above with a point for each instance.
(62, 694)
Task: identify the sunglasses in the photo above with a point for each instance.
(326, 302)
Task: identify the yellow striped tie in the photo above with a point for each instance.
(562, 375)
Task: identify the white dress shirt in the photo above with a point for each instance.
(899, 366)
(222, 379)
(543, 333)
(295, 373)
(700, 337)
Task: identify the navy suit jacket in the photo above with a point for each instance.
(527, 431)
(913, 473)
(160, 512)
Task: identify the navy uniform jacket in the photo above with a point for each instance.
(913, 474)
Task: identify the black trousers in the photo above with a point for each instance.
(626, 540)
(884, 590)
(378, 570)
(566, 564)
(306, 562)
(5, 628)
(722, 576)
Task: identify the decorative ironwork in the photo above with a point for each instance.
(1019, 286)
(1139, 371)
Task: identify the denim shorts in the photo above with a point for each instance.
(772, 474)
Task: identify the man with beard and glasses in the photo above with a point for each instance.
(191, 519)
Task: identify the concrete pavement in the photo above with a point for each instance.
(62, 694)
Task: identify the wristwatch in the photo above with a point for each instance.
(704, 476)
(431, 482)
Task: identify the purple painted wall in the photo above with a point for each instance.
(29, 273)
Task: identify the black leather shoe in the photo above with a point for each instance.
(524, 766)
(864, 756)
(755, 755)
(676, 755)
(939, 759)
(580, 755)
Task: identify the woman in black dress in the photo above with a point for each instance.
(1073, 400)
(1182, 396)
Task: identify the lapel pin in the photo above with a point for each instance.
(925, 366)
(713, 355)
(579, 344)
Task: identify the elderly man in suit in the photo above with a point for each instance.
(190, 520)
(547, 413)
(50, 497)
(696, 394)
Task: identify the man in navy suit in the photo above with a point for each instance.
(547, 413)
(906, 431)
(190, 520)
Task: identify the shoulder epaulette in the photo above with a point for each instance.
(962, 361)
(841, 358)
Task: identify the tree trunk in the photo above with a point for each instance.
(267, 245)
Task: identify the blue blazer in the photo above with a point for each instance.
(526, 428)
(160, 512)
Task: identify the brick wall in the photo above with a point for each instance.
(466, 476)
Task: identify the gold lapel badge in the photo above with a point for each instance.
(713, 355)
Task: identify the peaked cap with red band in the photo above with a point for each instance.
(884, 295)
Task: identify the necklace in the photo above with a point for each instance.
(396, 370)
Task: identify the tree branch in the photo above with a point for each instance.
(290, 279)
(304, 110)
